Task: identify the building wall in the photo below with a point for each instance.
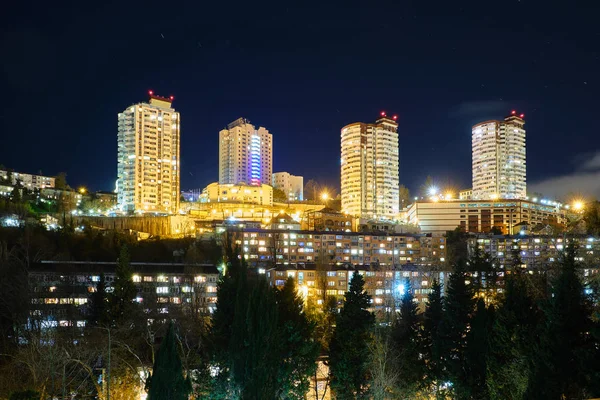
(245, 154)
(60, 291)
(238, 193)
(148, 157)
(292, 185)
(30, 181)
(172, 226)
(480, 215)
(499, 159)
(264, 247)
(369, 169)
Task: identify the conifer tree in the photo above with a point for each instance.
(432, 344)
(98, 311)
(121, 300)
(299, 350)
(167, 381)
(406, 337)
(349, 349)
(477, 350)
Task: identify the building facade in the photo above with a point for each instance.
(29, 181)
(292, 185)
(245, 154)
(369, 169)
(237, 193)
(499, 159)
(60, 291)
(264, 247)
(475, 216)
(148, 162)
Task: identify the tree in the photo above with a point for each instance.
(478, 346)
(456, 246)
(311, 190)
(432, 345)
(279, 196)
(25, 395)
(299, 351)
(98, 307)
(591, 217)
(404, 196)
(406, 338)
(168, 381)
(569, 353)
(458, 307)
(60, 181)
(383, 373)
(349, 349)
(121, 299)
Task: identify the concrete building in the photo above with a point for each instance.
(499, 159)
(148, 157)
(237, 193)
(475, 216)
(61, 290)
(29, 181)
(264, 247)
(369, 169)
(466, 194)
(538, 252)
(245, 154)
(292, 185)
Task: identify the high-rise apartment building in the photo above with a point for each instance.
(148, 157)
(499, 159)
(245, 154)
(369, 171)
(292, 185)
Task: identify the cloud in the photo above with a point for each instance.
(584, 181)
(480, 108)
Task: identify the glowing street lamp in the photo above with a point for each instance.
(324, 196)
(82, 190)
(578, 205)
(433, 190)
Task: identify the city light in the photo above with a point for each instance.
(82, 190)
(433, 190)
(448, 196)
(325, 196)
(578, 205)
(401, 289)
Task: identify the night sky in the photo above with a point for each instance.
(303, 70)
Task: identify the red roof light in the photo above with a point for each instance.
(383, 113)
(172, 98)
(395, 117)
(150, 92)
(513, 112)
(522, 115)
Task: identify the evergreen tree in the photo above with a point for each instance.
(568, 350)
(406, 338)
(167, 381)
(477, 351)
(513, 341)
(121, 300)
(98, 310)
(458, 307)
(349, 349)
(299, 350)
(256, 365)
(432, 344)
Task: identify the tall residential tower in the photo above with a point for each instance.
(499, 159)
(369, 172)
(148, 157)
(245, 154)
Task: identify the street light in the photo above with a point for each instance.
(324, 196)
(578, 205)
(82, 190)
(433, 190)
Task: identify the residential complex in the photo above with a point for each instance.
(292, 185)
(245, 154)
(499, 159)
(61, 290)
(369, 169)
(148, 157)
(237, 193)
(474, 216)
(29, 181)
(263, 247)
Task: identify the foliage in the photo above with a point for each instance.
(121, 299)
(168, 381)
(98, 307)
(60, 181)
(25, 395)
(404, 196)
(591, 217)
(299, 350)
(431, 342)
(456, 246)
(349, 349)
(279, 196)
(406, 337)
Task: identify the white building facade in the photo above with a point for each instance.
(369, 169)
(148, 175)
(292, 185)
(245, 154)
(499, 159)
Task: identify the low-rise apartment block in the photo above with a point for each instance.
(29, 181)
